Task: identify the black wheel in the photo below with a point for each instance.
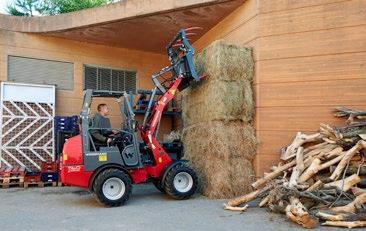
(112, 187)
(158, 185)
(181, 182)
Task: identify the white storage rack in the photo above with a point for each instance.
(27, 124)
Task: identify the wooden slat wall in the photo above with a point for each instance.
(310, 56)
(69, 102)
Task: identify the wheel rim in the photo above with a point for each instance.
(113, 188)
(183, 182)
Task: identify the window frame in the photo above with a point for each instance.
(111, 69)
(72, 88)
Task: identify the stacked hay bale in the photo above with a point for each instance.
(218, 137)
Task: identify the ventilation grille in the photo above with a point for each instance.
(39, 71)
(98, 78)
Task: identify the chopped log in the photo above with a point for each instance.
(316, 167)
(332, 162)
(273, 174)
(299, 140)
(321, 151)
(352, 169)
(315, 147)
(248, 197)
(334, 153)
(280, 169)
(347, 112)
(232, 208)
(345, 184)
(311, 170)
(353, 206)
(302, 186)
(264, 201)
(297, 213)
(346, 158)
(299, 168)
(273, 168)
(329, 216)
(330, 132)
(346, 136)
(347, 224)
(315, 186)
(357, 191)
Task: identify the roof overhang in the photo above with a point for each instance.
(136, 24)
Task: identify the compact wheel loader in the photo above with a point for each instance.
(109, 171)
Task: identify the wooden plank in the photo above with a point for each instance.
(68, 105)
(297, 118)
(313, 68)
(280, 5)
(81, 49)
(331, 41)
(318, 93)
(244, 33)
(271, 142)
(235, 22)
(263, 163)
(318, 17)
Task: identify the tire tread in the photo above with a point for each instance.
(98, 184)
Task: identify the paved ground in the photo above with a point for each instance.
(67, 208)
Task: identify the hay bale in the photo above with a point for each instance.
(222, 153)
(226, 94)
(205, 102)
(225, 61)
(223, 178)
(219, 139)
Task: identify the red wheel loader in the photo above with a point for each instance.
(109, 171)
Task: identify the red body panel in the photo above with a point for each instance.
(71, 164)
(72, 151)
(74, 175)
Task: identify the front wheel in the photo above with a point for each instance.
(158, 186)
(112, 187)
(181, 182)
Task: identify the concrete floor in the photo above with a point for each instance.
(66, 208)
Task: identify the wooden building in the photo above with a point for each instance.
(310, 55)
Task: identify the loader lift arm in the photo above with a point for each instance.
(182, 74)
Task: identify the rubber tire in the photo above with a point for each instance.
(169, 179)
(98, 187)
(158, 186)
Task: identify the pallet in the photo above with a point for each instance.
(40, 184)
(11, 182)
(35, 177)
(11, 177)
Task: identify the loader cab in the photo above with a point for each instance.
(123, 150)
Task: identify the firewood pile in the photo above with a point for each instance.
(321, 178)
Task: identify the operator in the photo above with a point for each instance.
(103, 130)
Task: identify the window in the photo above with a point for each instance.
(100, 78)
(40, 71)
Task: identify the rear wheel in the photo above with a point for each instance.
(181, 182)
(112, 187)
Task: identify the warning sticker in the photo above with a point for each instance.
(103, 157)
